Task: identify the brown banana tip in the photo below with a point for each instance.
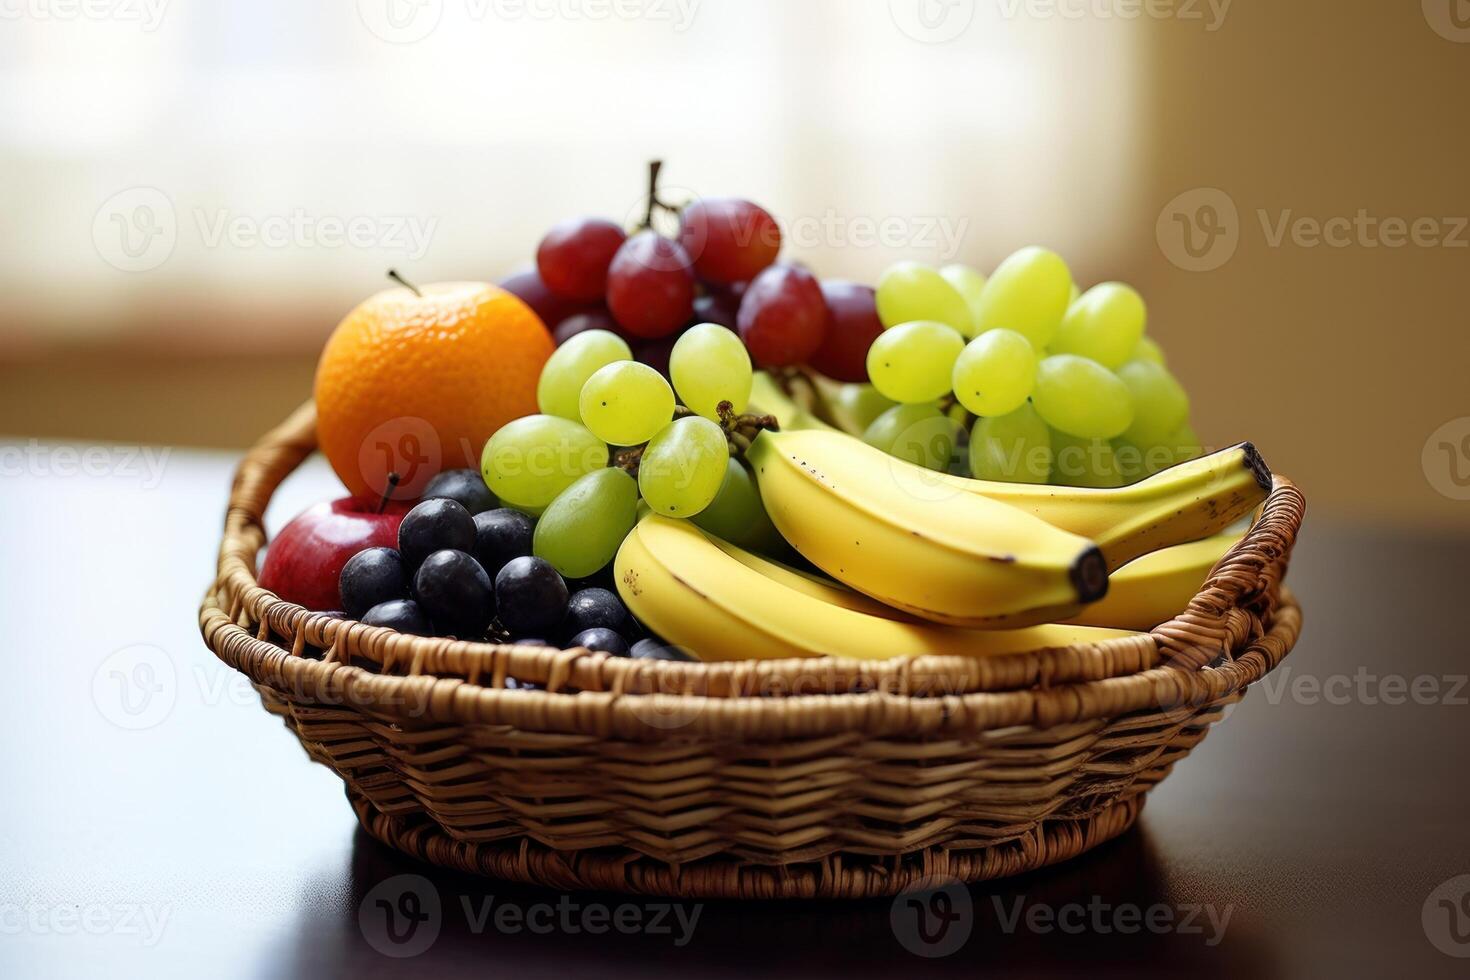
(1256, 465)
(1089, 575)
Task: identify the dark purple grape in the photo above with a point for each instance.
(581, 323)
(600, 640)
(531, 595)
(434, 525)
(650, 286)
(466, 486)
(711, 308)
(456, 593)
(783, 317)
(403, 615)
(551, 308)
(651, 649)
(501, 535)
(592, 608)
(370, 577)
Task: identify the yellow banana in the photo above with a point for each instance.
(890, 529)
(1187, 501)
(723, 603)
(1149, 590)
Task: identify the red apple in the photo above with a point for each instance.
(304, 562)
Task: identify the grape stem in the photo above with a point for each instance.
(799, 384)
(393, 479)
(393, 274)
(741, 429)
(654, 204)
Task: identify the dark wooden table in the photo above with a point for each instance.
(155, 821)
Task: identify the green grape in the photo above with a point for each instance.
(913, 362)
(559, 390)
(860, 404)
(580, 531)
(532, 459)
(969, 284)
(1073, 294)
(913, 291)
(1081, 397)
(1013, 448)
(738, 516)
(709, 364)
(684, 466)
(1083, 462)
(1105, 324)
(1184, 444)
(1160, 405)
(1136, 461)
(1147, 350)
(625, 403)
(995, 372)
(919, 434)
(1027, 293)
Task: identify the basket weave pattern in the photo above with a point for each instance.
(789, 778)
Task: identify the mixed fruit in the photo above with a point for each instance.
(692, 448)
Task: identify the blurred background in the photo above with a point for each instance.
(195, 192)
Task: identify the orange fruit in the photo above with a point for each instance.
(414, 384)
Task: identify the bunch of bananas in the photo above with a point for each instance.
(927, 562)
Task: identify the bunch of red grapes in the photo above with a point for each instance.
(720, 268)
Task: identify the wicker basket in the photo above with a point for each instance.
(757, 779)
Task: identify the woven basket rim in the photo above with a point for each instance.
(932, 694)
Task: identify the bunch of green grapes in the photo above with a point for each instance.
(1063, 388)
(611, 432)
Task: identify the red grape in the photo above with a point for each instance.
(650, 286)
(713, 308)
(843, 356)
(573, 257)
(729, 240)
(783, 317)
(551, 308)
(580, 323)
